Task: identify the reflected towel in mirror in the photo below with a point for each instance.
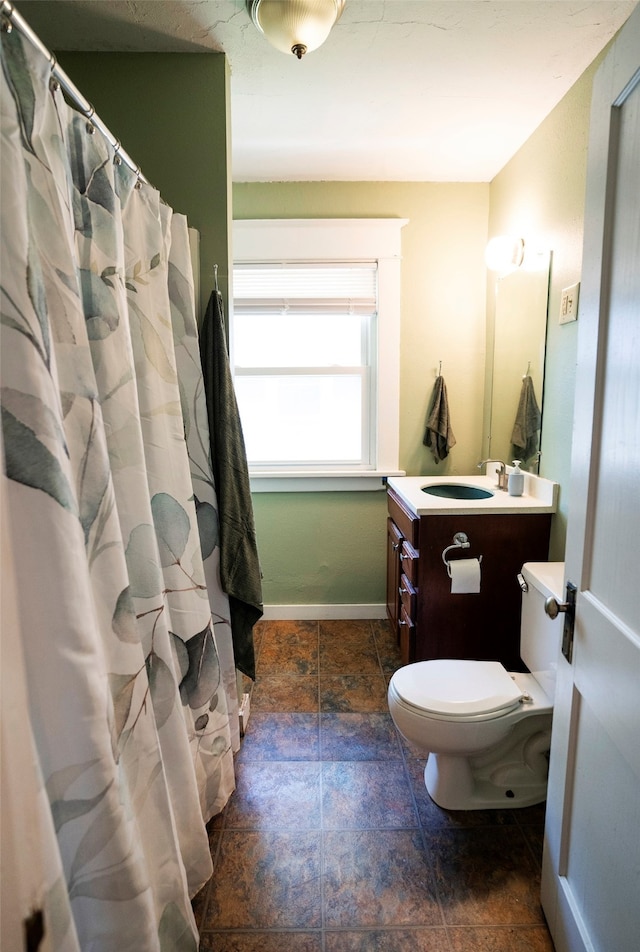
(525, 435)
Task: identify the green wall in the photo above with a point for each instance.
(330, 547)
(540, 195)
(170, 112)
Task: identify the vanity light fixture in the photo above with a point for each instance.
(504, 253)
(295, 26)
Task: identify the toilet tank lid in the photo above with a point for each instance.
(457, 688)
(547, 577)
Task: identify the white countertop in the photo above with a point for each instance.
(540, 495)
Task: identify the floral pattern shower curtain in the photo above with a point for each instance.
(112, 525)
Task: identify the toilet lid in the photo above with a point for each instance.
(457, 688)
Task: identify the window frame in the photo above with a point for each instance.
(331, 240)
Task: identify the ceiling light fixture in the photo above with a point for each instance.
(295, 26)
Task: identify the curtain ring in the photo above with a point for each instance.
(138, 184)
(89, 115)
(6, 9)
(117, 159)
(54, 83)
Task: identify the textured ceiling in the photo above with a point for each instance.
(403, 90)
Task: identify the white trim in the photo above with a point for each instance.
(320, 482)
(334, 239)
(323, 612)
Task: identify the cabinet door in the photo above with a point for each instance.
(482, 626)
(407, 629)
(394, 546)
(408, 597)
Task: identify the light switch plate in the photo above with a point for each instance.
(569, 304)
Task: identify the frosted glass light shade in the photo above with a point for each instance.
(295, 26)
(504, 253)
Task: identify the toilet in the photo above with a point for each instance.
(487, 731)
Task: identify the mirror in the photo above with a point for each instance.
(519, 347)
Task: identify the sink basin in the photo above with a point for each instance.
(454, 491)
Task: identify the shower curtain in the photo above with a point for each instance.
(122, 627)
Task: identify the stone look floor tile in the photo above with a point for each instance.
(396, 940)
(351, 693)
(266, 880)
(275, 796)
(291, 693)
(199, 904)
(387, 647)
(293, 652)
(358, 737)
(497, 939)
(365, 796)
(486, 876)
(341, 630)
(261, 942)
(377, 878)
(535, 841)
(281, 737)
(349, 657)
(331, 843)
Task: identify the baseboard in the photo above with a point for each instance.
(322, 612)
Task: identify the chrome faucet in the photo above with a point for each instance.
(502, 472)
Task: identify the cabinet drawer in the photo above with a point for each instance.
(407, 598)
(406, 521)
(409, 562)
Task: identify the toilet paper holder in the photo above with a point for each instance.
(460, 541)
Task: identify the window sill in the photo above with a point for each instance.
(313, 482)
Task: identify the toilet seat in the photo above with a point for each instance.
(457, 689)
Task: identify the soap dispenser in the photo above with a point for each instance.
(516, 480)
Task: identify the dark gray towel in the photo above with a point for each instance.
(438, 434)
(525, 435)
(239, 564)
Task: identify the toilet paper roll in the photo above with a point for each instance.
(465, 576)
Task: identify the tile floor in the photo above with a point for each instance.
(331, 843)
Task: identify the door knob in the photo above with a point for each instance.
(553, 607)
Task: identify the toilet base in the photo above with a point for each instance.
(498, 779)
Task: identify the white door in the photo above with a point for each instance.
(591, 867)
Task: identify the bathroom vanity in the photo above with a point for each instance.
(504, 531)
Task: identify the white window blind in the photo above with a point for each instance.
(304, 356)
(297, 287)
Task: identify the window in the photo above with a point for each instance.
(314, 343)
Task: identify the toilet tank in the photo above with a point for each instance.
(541, 636)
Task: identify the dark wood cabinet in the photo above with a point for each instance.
(394, 545)
(429, 620)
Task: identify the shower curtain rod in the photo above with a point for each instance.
(11, 18)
